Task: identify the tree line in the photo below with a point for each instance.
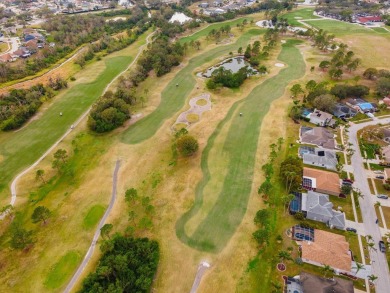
(19, 105)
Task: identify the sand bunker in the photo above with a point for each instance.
(189, 117)
(279, 64)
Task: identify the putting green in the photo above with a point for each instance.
(20, 149)
(173, 97)
(240, 146)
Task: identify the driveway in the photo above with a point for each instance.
(379, 262)
(13, 44)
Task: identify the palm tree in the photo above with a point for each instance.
(359, 267)
(377, 204)
(286, 200)
(326, 269)
(39, 175)
(372, 278)
(369, 238)
(371, 246)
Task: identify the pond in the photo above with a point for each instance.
(234, 64)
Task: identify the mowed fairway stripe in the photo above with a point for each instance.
(173, 97)
(213, 233)
(22, 148)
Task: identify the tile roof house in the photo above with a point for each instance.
(327, 249)
(308, 283)
(319, 157)
(343, 111)
(320, 118)
(318, 136)
(7, 58)
(317, 207)
(321, 181)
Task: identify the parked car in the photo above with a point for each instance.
(382, 246)
(351, 229)
(382, 196)
(380, 177)
(348, 180)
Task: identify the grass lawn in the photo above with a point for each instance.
(380, 188)
(174, 97)
(204, 32)
(345, 204)
(357, 206)
(93, 216)
(20, 149)
(371, 186)
(213, 232)
(3, 47)
(386, 213)
(380, 30)
(339, 27)
(62, 269)
(376, 167)
(299, 14)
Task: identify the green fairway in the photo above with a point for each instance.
(204, 32)
(62, 269)
(339, 27)
(300, 14)
(20, 149)
(173, 97)
(93, 216)
(240, 146)
(380, 30)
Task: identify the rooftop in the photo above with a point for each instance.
(318, 136)
(324, 180)
(329, 249)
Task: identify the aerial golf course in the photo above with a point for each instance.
(203, 206)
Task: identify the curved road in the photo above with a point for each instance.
(97, 232)
(378, 259)
(16, 179)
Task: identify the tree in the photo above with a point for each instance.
(61, 154)
(131, 194)
(311, 85)
(346, 189)
(372, 278)
(370, 73)
(106, 230)
(247, 53)
(262, 218)
(335, 73)
(39, 175)
(325, 103)
(291, 171)
(383, 86)
(20, 238)
(261, 236)
(239, 50)
(326, 270)
(286, 200)
(40, 213)
(284, 255)
(296, 89)
(359, 267)
(187, 145)
(371, 246)
(324, 65)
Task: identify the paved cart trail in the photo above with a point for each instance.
(216, 223)
(96, 236)
(14, 183)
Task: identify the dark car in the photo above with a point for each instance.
(351, 229)
(347, 180)
(382, 246)
(380, 177)
(382, 196)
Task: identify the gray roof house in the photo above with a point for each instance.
(318, 136)
(321, 118)
(343, 111)
(318, 157)
(318, 208)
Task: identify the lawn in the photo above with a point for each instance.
(62, 269)
(205, 31)
(93, 216)
(20, 149)
(386, 213)
(345, 204)
(174, 97)
(300, 14)
(239, 146)
(3, 47)
(339, 27)
(379, 187)
(380, 30)
(376, 167)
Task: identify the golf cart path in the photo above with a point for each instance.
(16, 179)
(91, 248)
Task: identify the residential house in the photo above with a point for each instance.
(7, 58)
(203, 5)
(386, 154)
(308, 283)
(343, 111)
(321, 181)
(321, 118)
(33, 36)
(218, 3)
(317, 207)
(386, 101)
(362, 105)
(318, 136)
(369, 19)
(318, 157)
(327, 249)
(22, 52)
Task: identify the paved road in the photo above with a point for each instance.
(203, 266)
(379, 262)
(16, 179)
(97, 232)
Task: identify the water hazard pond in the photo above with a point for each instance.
(234, 64)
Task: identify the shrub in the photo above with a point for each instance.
(187, 145)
